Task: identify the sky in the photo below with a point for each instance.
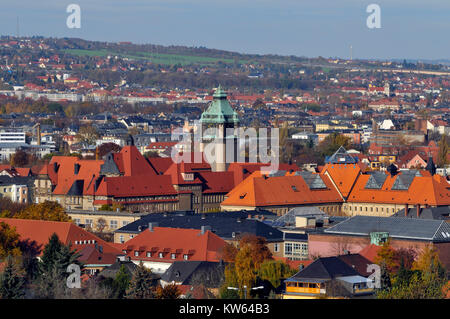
(410, 29)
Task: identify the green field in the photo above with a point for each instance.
(158, 58)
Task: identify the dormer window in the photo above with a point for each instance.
(149, 254)
(161, 255)
(136, 253)
(173, 256)
(185, 257)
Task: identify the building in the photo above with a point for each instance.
(221, 116)
(158, 247)
(281, 191)
(354, 234)
(96, 254)
(329, 276)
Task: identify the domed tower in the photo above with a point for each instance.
(221, 116)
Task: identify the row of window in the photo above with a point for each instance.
(366, 209)
(160, 255)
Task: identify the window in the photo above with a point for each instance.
(161, 255)
(121, 239)
(185, 257)
(276, 247)
(288, 248)
(124, 223)
(89, 222)
(149, 254)
(77, 221)
(113, 224)
(173, 256)
(136, 253)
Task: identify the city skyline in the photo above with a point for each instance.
(286, 27)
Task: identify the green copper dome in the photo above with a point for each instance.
(220, 110)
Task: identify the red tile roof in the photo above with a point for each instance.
(431, 190)
(168, 241)
(258, 191)
(39, 231)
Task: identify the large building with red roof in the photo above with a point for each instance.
(158, 247)
(95, 253)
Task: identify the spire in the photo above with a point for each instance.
(430, 166)
(130, 140)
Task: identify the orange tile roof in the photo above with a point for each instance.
(39, 231)
(344, 176)
(432, 190)
(198, 247)
(257, 191)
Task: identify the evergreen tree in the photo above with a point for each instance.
(141, 284)
(122, 281)
(12, 282)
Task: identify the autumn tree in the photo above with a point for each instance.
(427, 279)
(332, 142)
(168, 292)
(9, 241)
(88, 134)
(47, 210)
(106, 148)
(19, 158)
(386, 255)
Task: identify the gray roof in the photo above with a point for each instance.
(438, 213)
(397, 227)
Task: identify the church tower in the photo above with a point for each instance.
(219, 115)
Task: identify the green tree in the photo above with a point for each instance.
(12, 282)
(57, 256)
(274, 271)
(122, 281)
(141, 284)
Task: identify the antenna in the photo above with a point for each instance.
(351, 53)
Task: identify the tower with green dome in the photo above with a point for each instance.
(219, 115)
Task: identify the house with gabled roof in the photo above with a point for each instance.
(159, 247)
(95, 253)
(328, 276)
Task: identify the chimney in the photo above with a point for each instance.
(204, 229)
(55, 167)
(406, 210)
(76, 168)
(151, 226)
(418, 210)
(38, 134)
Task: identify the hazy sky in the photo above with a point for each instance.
(414, 29)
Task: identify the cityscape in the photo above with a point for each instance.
(150, 171)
